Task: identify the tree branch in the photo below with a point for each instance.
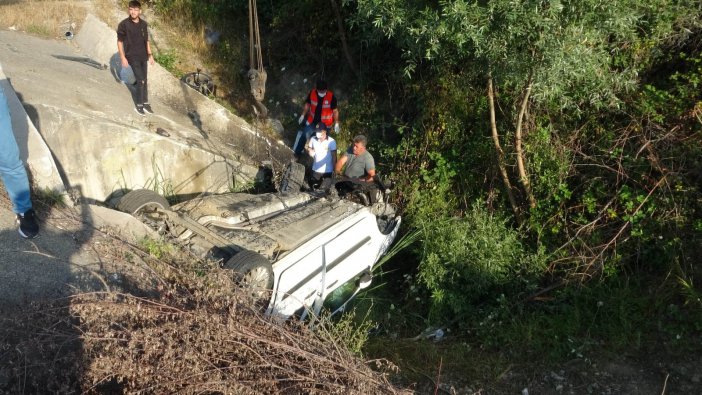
(342, 35)
(500, 153)
(523, 176)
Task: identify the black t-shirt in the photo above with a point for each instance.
(134, 37)
(318, 112)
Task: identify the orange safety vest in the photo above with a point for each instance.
(327, 111)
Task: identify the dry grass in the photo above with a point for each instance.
(179, 34)
(108, 12)
(199, 338)
(48, 19)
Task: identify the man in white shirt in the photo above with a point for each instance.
(322, 149)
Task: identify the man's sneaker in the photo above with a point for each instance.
(28, 227)
(147, 108)
(140, 110)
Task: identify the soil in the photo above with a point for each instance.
(605, 374)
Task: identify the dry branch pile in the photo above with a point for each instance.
(203, 339)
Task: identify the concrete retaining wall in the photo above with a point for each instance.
(99, 41)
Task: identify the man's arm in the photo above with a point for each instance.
(371, 174)
(122, 57)
(333, 155)
(340, 164)
(335, 114)
(305, 109)
(121, 35)
(370, 167)
(148, 52)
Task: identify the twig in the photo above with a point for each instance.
(665, 383)
(36, 251)
(438, 376)
(627, 223)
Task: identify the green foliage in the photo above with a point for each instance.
(348, 330)
(156, 248)
(167, 60)
(565, 49)
(436, 200)
(466, 259)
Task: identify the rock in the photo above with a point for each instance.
(276, 126)
(556, 377)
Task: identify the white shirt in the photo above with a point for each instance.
(322, 154)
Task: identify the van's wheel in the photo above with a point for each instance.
(141, 200)
(254, 273)
(293, 178)
(147, 206)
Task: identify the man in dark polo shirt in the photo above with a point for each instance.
(135, 51)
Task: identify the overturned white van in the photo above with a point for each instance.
(291, 249)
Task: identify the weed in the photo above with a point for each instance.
(50, 197)
(158, 249)
(167, 59)
(348, 330)
(241, 186)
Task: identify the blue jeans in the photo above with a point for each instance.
(303, 135)
(14, 175)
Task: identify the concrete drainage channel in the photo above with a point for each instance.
(77, 128)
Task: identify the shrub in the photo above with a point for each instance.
(466, 259)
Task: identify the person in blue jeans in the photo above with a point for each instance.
(14, 175)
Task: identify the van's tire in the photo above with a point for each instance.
(142, 199)
(253, 272)
(293, 178)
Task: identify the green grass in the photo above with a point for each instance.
(40, 30)
(168, 60)
(156, 248)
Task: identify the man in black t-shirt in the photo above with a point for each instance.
(135, 51)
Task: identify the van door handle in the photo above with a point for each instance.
(332, 284)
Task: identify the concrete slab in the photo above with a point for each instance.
(116, 222)
(98, 41)
(87, 119)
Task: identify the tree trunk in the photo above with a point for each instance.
(523, 176)
(342, 34)
(500, 153)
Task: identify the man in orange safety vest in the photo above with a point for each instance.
(320, 106)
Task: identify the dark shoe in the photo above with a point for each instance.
(147, 108)
(28, 226)
(140, 110)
